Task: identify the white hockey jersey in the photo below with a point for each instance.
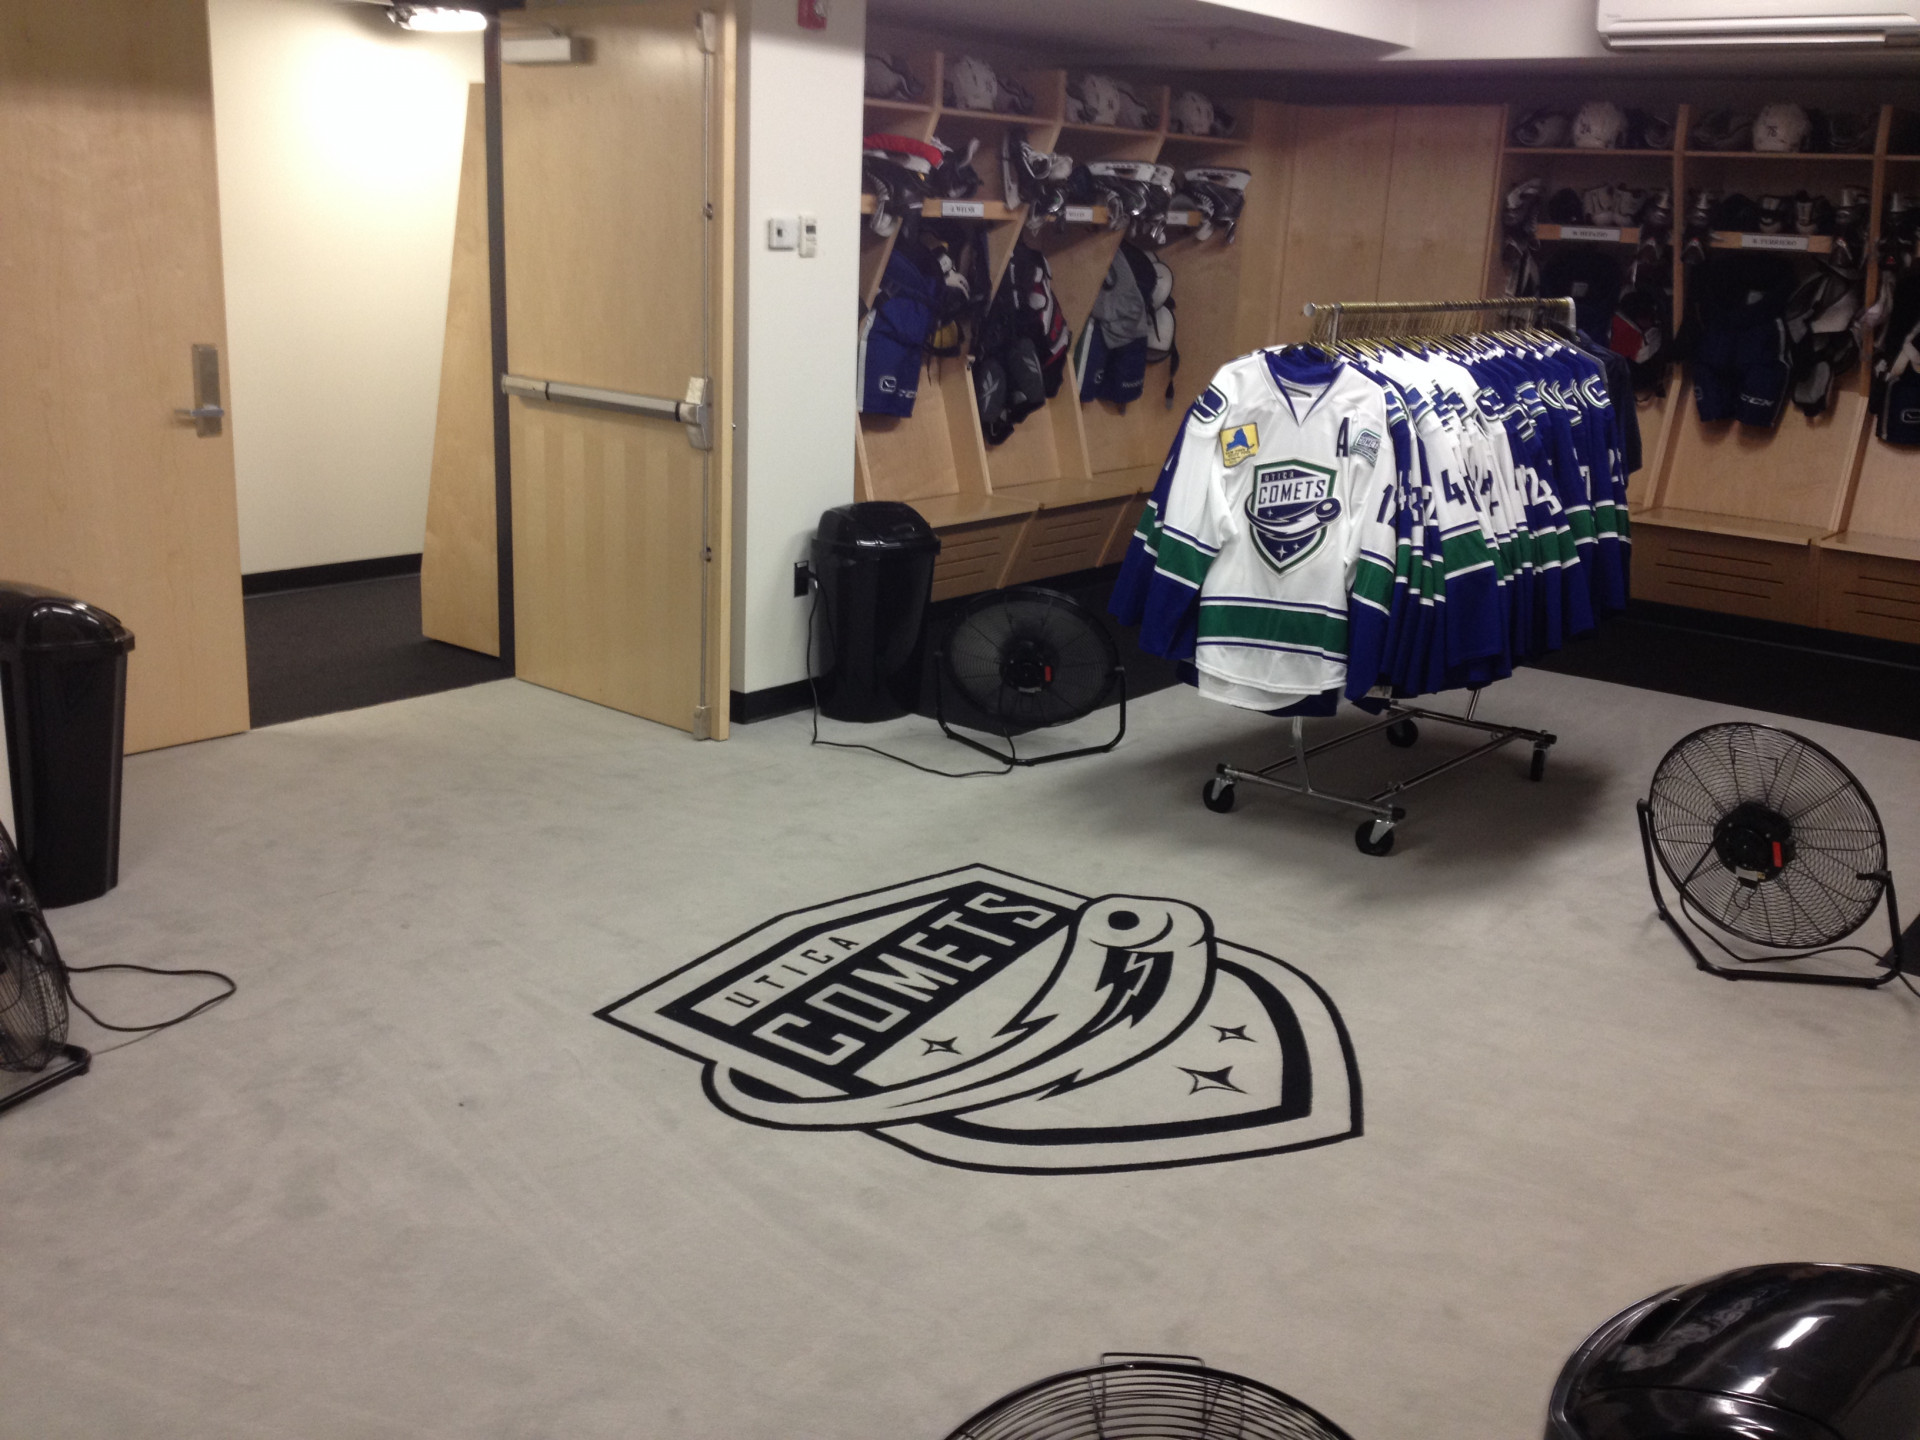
(1280, 507)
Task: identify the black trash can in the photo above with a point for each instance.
(874, 565)
(63, 688)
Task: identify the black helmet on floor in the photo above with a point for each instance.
(1772, 1352)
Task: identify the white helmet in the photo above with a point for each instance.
(971, 84)
(1780, 127)
(1192, 114)
(1600, 125)
(1101, 100)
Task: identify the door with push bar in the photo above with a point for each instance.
(613, 217)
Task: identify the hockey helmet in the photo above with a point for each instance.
(1788, 1352)
(1192, 114)
(1540, 129)
(1094, 99)
(1776, 215)
(971, 84)
(1647, 131)
(888, 78)
(1599, 125)
(1722, 130)
(1843, 132)
(1781, 127)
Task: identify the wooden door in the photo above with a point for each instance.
(614, 281)
(109, 276)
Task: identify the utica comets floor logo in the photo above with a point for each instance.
(984, 1020)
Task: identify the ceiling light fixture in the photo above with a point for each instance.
(441, 18)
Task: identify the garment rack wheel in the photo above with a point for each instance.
(1537, 766)
(1403, 734)
(1217, 794)
(1375, 837)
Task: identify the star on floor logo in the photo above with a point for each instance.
(988, 1021)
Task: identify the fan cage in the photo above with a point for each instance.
(1834, 877)
(33, 999)
(1149, 1401)
(987, 639)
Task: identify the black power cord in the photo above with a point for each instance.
(813, 689)
(68, 971)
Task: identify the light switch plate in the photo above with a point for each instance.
(781, 233)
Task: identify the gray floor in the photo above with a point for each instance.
(406, 1185)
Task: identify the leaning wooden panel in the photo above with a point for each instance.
(1440, 201)
(459, 565)
(1886, 500)
(1795, 473)
(110, 273)
(1059, 542)
(1342, 168)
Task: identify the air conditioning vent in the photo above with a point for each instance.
(1695, 24)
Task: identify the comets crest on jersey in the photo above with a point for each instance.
(988, 1021)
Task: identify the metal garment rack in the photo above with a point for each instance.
(1385, 320)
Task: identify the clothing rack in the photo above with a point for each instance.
(1383, 319)
(1386, 320)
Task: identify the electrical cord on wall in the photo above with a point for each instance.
(813, 689)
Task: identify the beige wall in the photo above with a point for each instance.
(339, 141)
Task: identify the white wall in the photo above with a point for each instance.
(339, 140)
(800, 113)
(1505, 30)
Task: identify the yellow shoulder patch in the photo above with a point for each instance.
(1237, 443)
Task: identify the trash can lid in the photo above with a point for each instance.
(36, 619)
(885, 524)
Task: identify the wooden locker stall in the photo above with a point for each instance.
(1341, 201)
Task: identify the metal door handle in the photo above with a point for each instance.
(695, 412)
(207, 412)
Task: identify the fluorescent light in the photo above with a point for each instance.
(436, 17)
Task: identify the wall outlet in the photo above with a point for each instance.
(809, 237)
(802, 579)
(782, 233)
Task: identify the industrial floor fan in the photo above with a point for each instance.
(33, 990)
(1770, 839)
(1148, 1397)
(1025, 659)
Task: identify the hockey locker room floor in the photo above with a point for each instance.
(412, 1181)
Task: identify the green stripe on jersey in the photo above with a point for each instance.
(1372, 582)
(1225, 621)
(1182, 561)
(1466, 551)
